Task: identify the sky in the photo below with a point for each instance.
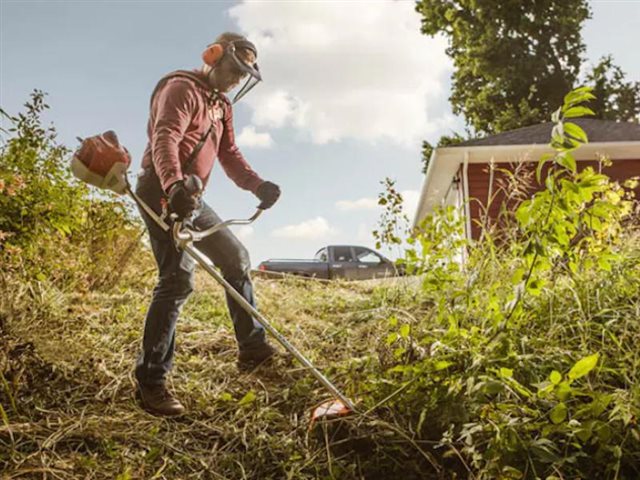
(349, 94)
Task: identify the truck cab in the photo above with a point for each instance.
(355, 262)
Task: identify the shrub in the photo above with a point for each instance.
(51, 226)
(519, 362)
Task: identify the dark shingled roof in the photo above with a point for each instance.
(597, 131)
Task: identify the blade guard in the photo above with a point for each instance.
(101, 161)
(329, 410)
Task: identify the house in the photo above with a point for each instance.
(468, 174)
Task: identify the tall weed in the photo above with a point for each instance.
(519, 358)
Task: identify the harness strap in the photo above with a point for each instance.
(210, 101)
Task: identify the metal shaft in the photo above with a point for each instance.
(184, 239)
(206, 264)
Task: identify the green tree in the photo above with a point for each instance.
(445, 141)
(513, 60)
(616, 99)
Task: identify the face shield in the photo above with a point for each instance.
(251, 70)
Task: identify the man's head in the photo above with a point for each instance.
(228, 61)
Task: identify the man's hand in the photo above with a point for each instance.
(268, 193)
(181, 201)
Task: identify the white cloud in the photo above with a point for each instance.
(244, 232)
(410, 200)
(248, 137)
(338, 70)
(360, 204)
(313, 229)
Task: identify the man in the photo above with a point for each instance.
(190, 124)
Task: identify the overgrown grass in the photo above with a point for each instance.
(451, 401)
(69, 391)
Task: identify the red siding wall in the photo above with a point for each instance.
(478, 174)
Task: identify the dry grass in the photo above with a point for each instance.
(68, 394)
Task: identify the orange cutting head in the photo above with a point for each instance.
(330, 410)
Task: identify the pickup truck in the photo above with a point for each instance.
(350, 262)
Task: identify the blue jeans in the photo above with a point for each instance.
(175, 284)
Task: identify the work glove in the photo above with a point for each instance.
(183, 200)
(268, 193)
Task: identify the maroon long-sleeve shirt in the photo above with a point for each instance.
(178, 118)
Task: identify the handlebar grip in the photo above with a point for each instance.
(193, 185)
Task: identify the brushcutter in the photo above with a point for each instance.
(101, 161)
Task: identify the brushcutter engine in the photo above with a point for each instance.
(103, 162)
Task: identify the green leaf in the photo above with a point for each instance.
(557, 133)
(442, 364)
(398, 352)
(574, 112)
(604, 433)
(600, 404)
(534, 287)
(555, 377)
(583, 366)
(248, 398)
(226, 397)
(517, 276)
(559, 413)
(392, 337)
(544, 450)
(567, 161)
(492, 388)
(550, 183)
(404, 331)
(576, 132)
(543, 159)
(584, 434)
(506, 372)
(604, 264)
(577, 96)
(563, 391)
(450, 14)
(126, 475)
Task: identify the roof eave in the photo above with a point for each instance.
(452, 157)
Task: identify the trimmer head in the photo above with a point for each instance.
(330, 410)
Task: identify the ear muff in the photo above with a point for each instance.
(212, 54)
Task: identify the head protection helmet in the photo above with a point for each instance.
(217, 51)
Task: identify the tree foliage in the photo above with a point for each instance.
(513, 60)
(616, 98)
(445, 141)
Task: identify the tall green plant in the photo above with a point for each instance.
(519, 363)
(38, 194)
(576, 220)
(51, 226)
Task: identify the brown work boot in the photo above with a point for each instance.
(250, 358)
(156, 399)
